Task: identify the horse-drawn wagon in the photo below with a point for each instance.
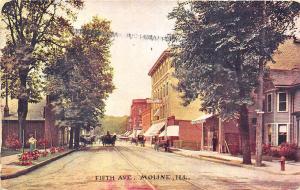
(108, 140)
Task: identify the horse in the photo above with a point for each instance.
(141, 140)
(107, 139)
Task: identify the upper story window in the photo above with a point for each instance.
(167, 86)
(269, 103)
(282, 102)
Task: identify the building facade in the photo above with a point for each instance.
(146, 118)
(167, 105)
(40, 122)
(169, 102)
(138, 106)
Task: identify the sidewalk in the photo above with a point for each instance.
(10, 168)
(291, 167)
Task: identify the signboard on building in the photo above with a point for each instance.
(154, 101)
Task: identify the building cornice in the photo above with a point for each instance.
(159, 61)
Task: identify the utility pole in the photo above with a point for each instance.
(259, 127)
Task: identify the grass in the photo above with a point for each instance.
(8, 152)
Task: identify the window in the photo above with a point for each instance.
(254, 121)
(282, 133)
(269, 133)
(167, 86)
(298, 124)
(282, 102)
(269, 103)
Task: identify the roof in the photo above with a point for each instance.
(202, 118)
(287, 56)
(35, 110)
(285, 77)
(286, 69)
(159, 61)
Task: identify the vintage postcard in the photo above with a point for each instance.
(150, 95)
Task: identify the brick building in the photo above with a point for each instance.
(146, 118)
(40, 122)
(225, 133)
(138, 106)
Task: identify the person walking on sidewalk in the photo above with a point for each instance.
(167, 144)
(214, 142)
(156, 146)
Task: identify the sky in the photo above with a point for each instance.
(131, 58)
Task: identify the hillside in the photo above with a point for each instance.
(114, 124)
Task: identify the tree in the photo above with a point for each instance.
(34, 27)
(217, 49)
(81, 79)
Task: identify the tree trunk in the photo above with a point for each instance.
(244, 131)
(258, 150)
(71, 138)
(22, 106)
(76, 138)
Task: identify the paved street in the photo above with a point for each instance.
(112, 165)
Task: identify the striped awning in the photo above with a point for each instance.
(154, 129)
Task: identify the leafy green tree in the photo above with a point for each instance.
(34, 27)
(218, 48)
(81, 79)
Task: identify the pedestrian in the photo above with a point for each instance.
(157, 145)
(167, 144)
(32, 143)
(214, 142)
(143, 141)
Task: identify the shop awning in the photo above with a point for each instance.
(154, 129)
(172, 131)
(202, 119)
(126, 133)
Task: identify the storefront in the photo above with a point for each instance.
(152, 133)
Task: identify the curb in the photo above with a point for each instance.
(34, 167)
(230, 163)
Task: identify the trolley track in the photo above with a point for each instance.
(134, 167)
(155, 164)
(159, 165)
